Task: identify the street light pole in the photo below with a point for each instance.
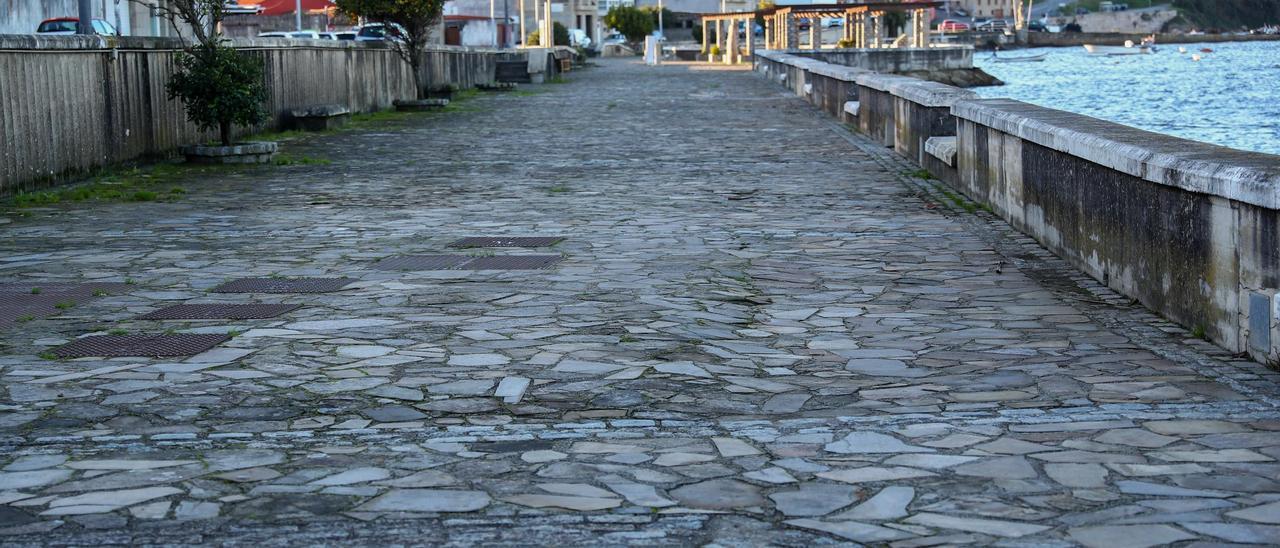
(297, 14)
(506, 21)
(86, 18)
(661, 34)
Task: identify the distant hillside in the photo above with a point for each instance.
(1227, 14)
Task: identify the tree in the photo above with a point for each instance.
(667, 16)
(218, 85)
(559, 35)
(410, 24)
(632, 22)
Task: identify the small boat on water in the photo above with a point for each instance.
(1129, 48)
(1022, 59)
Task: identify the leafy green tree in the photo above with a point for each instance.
(409, 23)
(632, 22)
(220, 87)
(667, 16)
(559, 35)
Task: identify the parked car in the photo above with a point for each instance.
(63, 26)
(951, 25)
(831, 22)
(376, 32)
(298, 34)
(338, 35)
(994, 25)
(615, 38)
(1037, 26)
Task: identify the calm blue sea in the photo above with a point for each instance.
(1230, 98)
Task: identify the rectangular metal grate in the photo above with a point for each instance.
(148, 346)
(219, 312)
(508, 241)
(280, 285)
(60, 288)
(422, 262)
(513, 262)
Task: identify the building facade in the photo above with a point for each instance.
(995, 9)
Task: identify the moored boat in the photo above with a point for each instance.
(1022, 59)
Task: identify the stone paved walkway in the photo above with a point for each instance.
(763, 331)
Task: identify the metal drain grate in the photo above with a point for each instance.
(422, 262)
(65, 289)
(149, 346)
(508, 241)
(279, 285)
(513, 262)
(219, 312)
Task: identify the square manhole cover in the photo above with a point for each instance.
(513, 262)
(281, 285)
(219, 312)
(149, 346)
(508, 241)
(422, 262)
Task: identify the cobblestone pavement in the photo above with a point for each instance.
(764, 330)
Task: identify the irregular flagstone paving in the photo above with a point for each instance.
(762, 331)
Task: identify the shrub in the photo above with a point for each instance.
(219, 87)
(634, 23)
(559, 34)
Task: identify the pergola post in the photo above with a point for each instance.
(750, 23)
(704, 36)
(732, 39)
(793, 32)
(815, 32)
(924, 29)
(878, 41)
(866, 31)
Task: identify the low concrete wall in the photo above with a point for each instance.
(1189, 229)
(69, 104)
(894, 60)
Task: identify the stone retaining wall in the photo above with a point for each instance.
(69, 104)
(894, 60)
(1191, 230)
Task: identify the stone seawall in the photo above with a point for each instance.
(1191, 230)
(69, 104)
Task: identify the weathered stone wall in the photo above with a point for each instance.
(1189, 229)
(69, 104)
(894, 60)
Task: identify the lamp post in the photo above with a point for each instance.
(86, 18)
(297, 14)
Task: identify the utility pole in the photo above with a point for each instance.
(86, 18)
(493, 20)
(297, 14)
(661, 34)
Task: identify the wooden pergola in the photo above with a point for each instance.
(726, 34)
(864, 23)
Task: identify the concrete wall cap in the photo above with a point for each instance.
(930, 94)
(882, 82)
(1248, 177)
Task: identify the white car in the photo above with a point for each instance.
(64, 26)
(298, 34)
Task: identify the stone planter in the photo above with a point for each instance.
(419, 105)
(258, 152)
(319, 118)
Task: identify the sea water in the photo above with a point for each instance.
(1231, 97)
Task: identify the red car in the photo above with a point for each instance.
(951, 25)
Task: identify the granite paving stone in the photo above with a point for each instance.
(761, 331)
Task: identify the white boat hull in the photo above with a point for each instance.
(1117, 50)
